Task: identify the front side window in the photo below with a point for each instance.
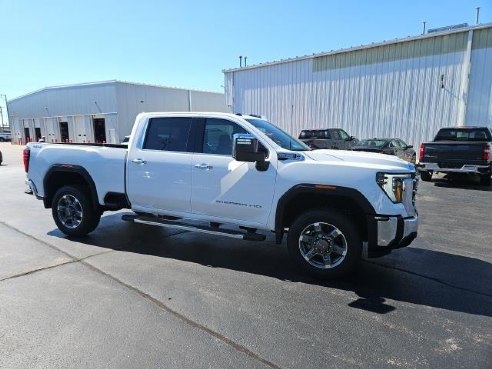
(343, 135)
(217, 137)
(401, 143)
(335, 135)
(168, 134)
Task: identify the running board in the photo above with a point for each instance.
(248, 236)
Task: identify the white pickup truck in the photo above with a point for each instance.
(237, 176)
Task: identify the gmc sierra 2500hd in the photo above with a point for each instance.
(236, 176)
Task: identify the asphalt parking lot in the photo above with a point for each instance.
(131, 296)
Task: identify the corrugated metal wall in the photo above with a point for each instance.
(118, 103)
(62, 101)
(479, 109)
(407, 89)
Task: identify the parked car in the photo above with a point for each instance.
(248, 181)
(5, 136)
(390, 146)
(329, 138)
(458, 150)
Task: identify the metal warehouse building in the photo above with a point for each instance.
(98, 112)
(406, 88)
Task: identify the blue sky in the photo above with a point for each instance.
(188, 43)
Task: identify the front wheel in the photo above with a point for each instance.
(73, 212)
(324, 243)
(485, 179)
(426, 176)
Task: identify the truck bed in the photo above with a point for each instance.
(105, 163)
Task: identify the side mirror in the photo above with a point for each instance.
(245, 148)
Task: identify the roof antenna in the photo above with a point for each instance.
(478, 14)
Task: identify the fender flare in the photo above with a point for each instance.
(76, 169)
(321, 189)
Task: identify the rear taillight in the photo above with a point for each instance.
(421, 151)
(486, 152)
(25, 155)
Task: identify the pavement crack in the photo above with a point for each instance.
(38, 240)
(73, 261)
(37, 270)
(185, 319)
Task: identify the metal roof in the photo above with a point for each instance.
(101, 83)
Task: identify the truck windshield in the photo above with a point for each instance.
(278, 136)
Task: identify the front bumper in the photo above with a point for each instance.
(387, 233)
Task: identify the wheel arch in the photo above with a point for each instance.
(312, 196)
(61, 175)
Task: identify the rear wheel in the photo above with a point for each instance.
(485, 179)
(426, 176)
(324, 243)
(73, 211)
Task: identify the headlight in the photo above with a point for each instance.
(393, 185)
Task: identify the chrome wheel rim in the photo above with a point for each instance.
(70, 211)
(323, 245)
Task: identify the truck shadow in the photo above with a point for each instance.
(413, 275)
(463, 181)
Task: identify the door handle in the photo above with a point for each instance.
(139, 161)
(203, 166)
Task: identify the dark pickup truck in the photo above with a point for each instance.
(458, 150)
(328, 138)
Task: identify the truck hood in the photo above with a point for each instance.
(363, 159)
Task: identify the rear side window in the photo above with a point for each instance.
(168, 134)
(306, 134)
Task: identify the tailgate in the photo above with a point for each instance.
(454, 154)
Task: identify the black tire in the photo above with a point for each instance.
(331, 247)
(426, 176)
(485, 179)
(2, 139)
(73, 211)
